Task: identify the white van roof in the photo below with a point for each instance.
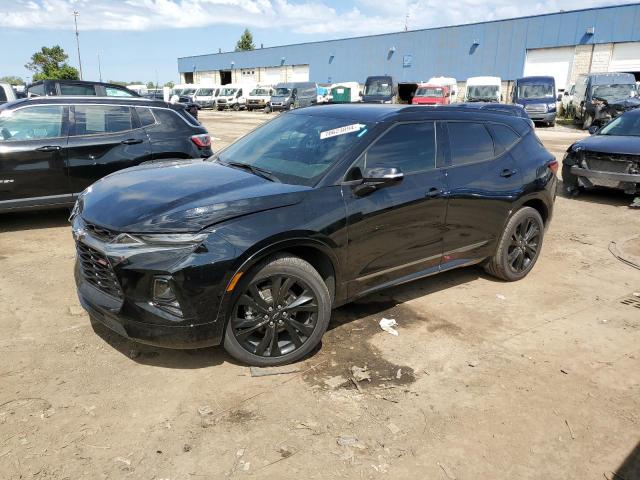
(442, 81)
(484, 81)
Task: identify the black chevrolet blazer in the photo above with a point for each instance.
(52, 148)
(255, 246)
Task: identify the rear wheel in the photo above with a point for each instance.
(519, 246)
(280, 314)
(236, 107)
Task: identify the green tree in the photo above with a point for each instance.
(11, 80)
(245, 42)
(151, 85)
(170, 84)
(51, 64)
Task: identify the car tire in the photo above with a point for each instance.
(236, 107)
(588, 121)
(570, 184)
(302, 329)
(519, 247)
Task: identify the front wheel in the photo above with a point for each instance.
(519, 246)
(588, 121)
(280, 313)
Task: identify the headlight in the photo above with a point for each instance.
(161, 239)
(387, 101)
(551, 107)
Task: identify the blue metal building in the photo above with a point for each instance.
(498, 48)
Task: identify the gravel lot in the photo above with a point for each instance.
(486, 380)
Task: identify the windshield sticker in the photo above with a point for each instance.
(341, 131)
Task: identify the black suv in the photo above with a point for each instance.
(255, 246)
(53, 148)
(77, 88)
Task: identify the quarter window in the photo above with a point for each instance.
(99, 119)
(145, 116)
(32, 123)
(77, 90)
(503, 137)
(117, 92)
(470, 143)
(408, 146)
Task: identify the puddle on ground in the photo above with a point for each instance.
(347, 343)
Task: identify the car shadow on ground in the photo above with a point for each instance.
(21, 221)
(630, 468)
(389, 301)
(599, 195)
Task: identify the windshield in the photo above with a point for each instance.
(259, 92)
(429, 92)
(227, 92)
(624, 125)
(535, 91)
(296, 149)
(204, 92)
(283, 92)
(188, 91)
(482, 92)
(378, 87)
(612, 92)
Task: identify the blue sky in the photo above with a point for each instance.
(141, 39)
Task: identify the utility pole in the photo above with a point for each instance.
(75, 19)
(406, 22)
(99, 66)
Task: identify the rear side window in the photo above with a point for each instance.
(100, 119)
(503, 137)
(32, 123)
(117, 92)
(470, 143)
(408, 146)
(77, 90)
(145, 116)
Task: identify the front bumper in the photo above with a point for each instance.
(115, 284)
(629, 182)
(548, 117)
(101, 308)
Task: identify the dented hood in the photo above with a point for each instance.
(181, 197)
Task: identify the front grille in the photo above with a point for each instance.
(100, 233)
(608, 163)
(97, 270)
(222, 100)
(535, 108)
(254, 102)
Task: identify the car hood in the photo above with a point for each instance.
(609, 144)
(535, 101)
(279, 98)
(181, 197)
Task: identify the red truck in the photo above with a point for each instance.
(428, 94)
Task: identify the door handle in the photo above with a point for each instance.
(433, 192)
(131, 141)
(506, 173)
(49, 148)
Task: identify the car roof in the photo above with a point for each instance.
(62, 100)
(535, 78)
(374, 113)
(78, 82)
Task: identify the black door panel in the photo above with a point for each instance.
(33, 150)
(104, 140)
(482, 189)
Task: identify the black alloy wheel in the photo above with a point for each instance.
(519, 246)
(280, 314)
(525, 242)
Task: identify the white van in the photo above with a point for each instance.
(233, 95)
(7, 93)
(187, 89)
(483, 89)
(205, 97)
(449, 82)
(259, 97)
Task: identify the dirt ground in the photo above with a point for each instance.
(538, 379)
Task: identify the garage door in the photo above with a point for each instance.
(552, 62)
(270, 76)
(625, 57)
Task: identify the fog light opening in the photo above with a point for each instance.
(164, 296)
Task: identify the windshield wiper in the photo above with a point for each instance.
(260, 172)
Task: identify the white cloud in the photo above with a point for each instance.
(301, 16)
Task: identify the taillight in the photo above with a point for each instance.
(553, 166)
(201, 141)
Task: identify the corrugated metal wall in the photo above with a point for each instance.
(450, 51)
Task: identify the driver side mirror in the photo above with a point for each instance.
(593, 129)
(378, 177)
